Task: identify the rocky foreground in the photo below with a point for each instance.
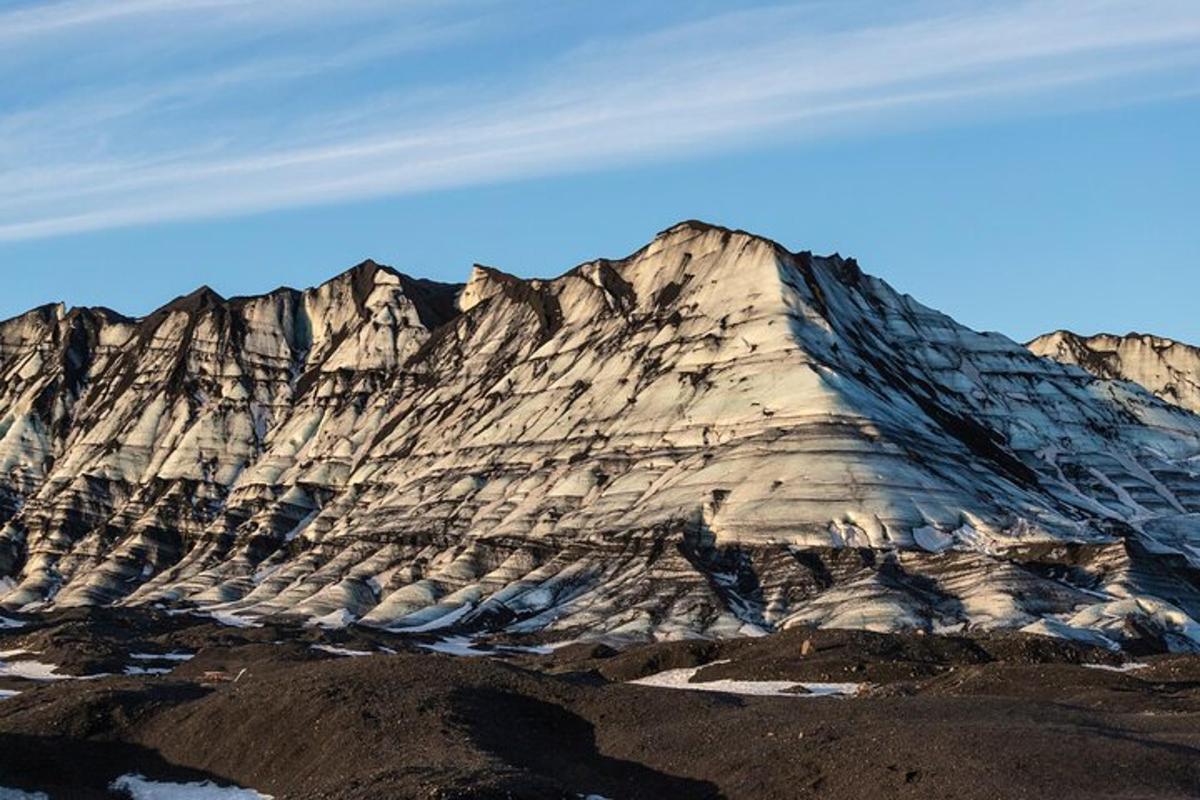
(305, 713)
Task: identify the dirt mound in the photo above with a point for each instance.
(806, 654)
(961, 717)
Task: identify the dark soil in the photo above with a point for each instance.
(1004, 716)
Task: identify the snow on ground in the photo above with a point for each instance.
(7, 624)
(682, 679)
(138, 787)
(533, 649)
(229, 619)
(467, 647)
(335, 620)
(832, 689)
(341, 651)
(470, 648)
(455, 646)
(42, 672)
(17, 794)
(1127, 667)
(162, 656)
(31, 671)
(7, 694)
(131, 670)
(177, 658)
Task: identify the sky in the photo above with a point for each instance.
(1021, 165)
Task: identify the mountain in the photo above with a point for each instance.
(714, 436)
(1167, 368)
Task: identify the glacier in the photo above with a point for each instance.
(714, 436)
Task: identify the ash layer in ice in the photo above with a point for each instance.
(712, 437)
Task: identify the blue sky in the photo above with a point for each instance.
(1023, 166)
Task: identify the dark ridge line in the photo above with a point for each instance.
(205, 298)
(428, 286)
(1084, 339)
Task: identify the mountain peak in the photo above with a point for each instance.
(697, 227)
(205, 298)
(366, 269)
(711, 436)
(485, 282)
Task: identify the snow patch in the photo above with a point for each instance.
(455, 646)
(132, 670)
(31, 671)
(17, 794)
(230, 619)
(682, 679)
(162, 656)
(341, 651)
(335, 620)
(140, 788)
(1127, 667)
(468, 648)
(532, 649)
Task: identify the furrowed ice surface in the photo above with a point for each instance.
(713, 436)
(1168, 368)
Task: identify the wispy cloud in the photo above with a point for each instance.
(44, 18)
(410, 98)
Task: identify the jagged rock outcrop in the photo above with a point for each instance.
(1167, 368)
(713, 436)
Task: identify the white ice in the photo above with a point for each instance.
(443, 621)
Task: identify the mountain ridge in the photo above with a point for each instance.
(712, 436)
(1167, 367)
